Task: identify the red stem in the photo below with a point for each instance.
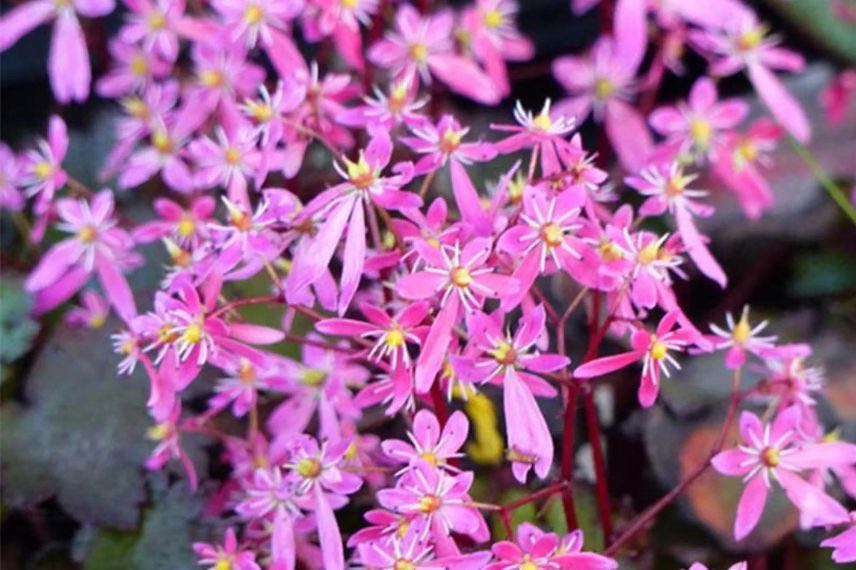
(568, 456)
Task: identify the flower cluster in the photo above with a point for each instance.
(413, 298)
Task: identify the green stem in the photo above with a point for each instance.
(835, 192)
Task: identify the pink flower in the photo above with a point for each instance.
(653, 349)
(536, 549)
(430, 443)
(510, 360)
(774, 452)
(464, 279)
(837, 97)
(186, 226)
(694, 128)
(399, 106)
(602, 83)
(92, 313)
(154, 25)
(165, 153)
(844, 543)
(738, 162)
(249, 21)
(226, 556)
(228, 161)
(424, 47)
(437, 499)
(740, 42)
(42, 169)
(543, 132)
(242, 385)
(667, 188)
(167, 434)
(97, 245)
(391, 333)
(10, 175)
(740, 338)
(342, 21)
(737, 566)
(68, 60)
(133, 70)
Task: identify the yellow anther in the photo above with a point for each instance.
(349, 4)
(542, 121)
(87, 234)
(429, 504)
(751, 39)
(135, 107)
(603, 88)
(700, 131)
(232, 155)
(97, 320)
(461, 277)
(161, 141)
(139, 65)
(246, 372)
(179, 256)
(159, 432)
(311, 377)
(430, 458)
(43, 170)
(211, 78)
(504, 354)
(493, 19)
(609, 252)
(552, 234)
(451, 141)
(418, 52)
(742, 331)
(394, 338)
(254, 14)
(649, 253)
(223, 564)
(260, 111)
(770, 457)
(308, 467)
(658, 350)
(403, 564)
(186, 227)
(360, 173)
(157, 20)
(192, 334)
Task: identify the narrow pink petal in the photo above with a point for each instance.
(628, 134)
(343, 327)
(255, 334)
(466, 78)
(605, 365)
(526, 429)
(731, 462)
(53, 264)
(827, 454)
(328, 532)
(68, 61)
(436, 345)
(419, 285)
(631, 33)
(21, 19)
(354, 258)
(468, 202)
(696, 248)
(116, 287)
(787, 111)
(815, 506)
(426, 428)
(750, 507)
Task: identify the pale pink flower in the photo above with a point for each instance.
(68, 60)
(155, 25)
(844, 544)
(429, 442)
(773, 452)
(42, 173)
(537, 550)
(10, 180)
(132, 71)
(227, 555)
(92, 312)
(400, 105)
(741, 337)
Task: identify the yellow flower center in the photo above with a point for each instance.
(43, 170)
(192, 334)
(136, 107)
(746, 152)
(751, 39)
(418, 52)
(166, 334)
(527, 564)
(675, 186)
(223, 564)
(312, 377)
(232, 155)
(770, 457)
(741, 331)
(159, 431)
(178, 256)
(351, 452)
(349, 4)
(246, 372)
(97, 321)
(360, 173)
(127, 347)
(603, 88)
(429, 504)
(186, 227)
(211, 78)
(139, 65)
(429, 457)
(309, 468)
(260, 111)
(700, 131)
(397, 98)
(515, 189)
(609, 252)
(542, 121)
(394, 337)
(504, 354)
(254, 14)
(493, 19)
(157, 20)
(552, 234)
(450, 142)
(649, 253)
(87, 234)
(658, 350)
(161, 141)
(461, 277)
(403, 564)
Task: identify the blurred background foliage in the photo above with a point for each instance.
(73, 434)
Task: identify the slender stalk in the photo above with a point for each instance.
(601, 485)
(426, 184)
(835, 192)
(651, 512)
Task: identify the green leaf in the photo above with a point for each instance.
(17, 329)
(169, 529)
(823, 273)
(818, 21)
(81, 434)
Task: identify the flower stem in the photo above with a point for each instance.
(835, 192)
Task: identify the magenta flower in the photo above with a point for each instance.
(738, 162)
(464, 279)
(421, 47)
(653, 349)
(133, 70)
(342, 21)
(545, 240)
(165, 153)
(843, 543)
(736, 566)
(226, 556)
(774, 452)
(10, 175)
(741, 42)
(228, 161)
(694, 128)
(430, 443)
(667, 189)
(391, 333)
(92, 313)
(187, 227)
(167, 435)
(837, 97)
(251, 21)
(242, 385)
(740, 338)
(410, 551)
(68, 60)
(437, 499)
(536, 549)
(42, 174)
(601, 83)
(155, 25)
(399, 106)
(96, 246)
(545, 132)
(510, 361)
